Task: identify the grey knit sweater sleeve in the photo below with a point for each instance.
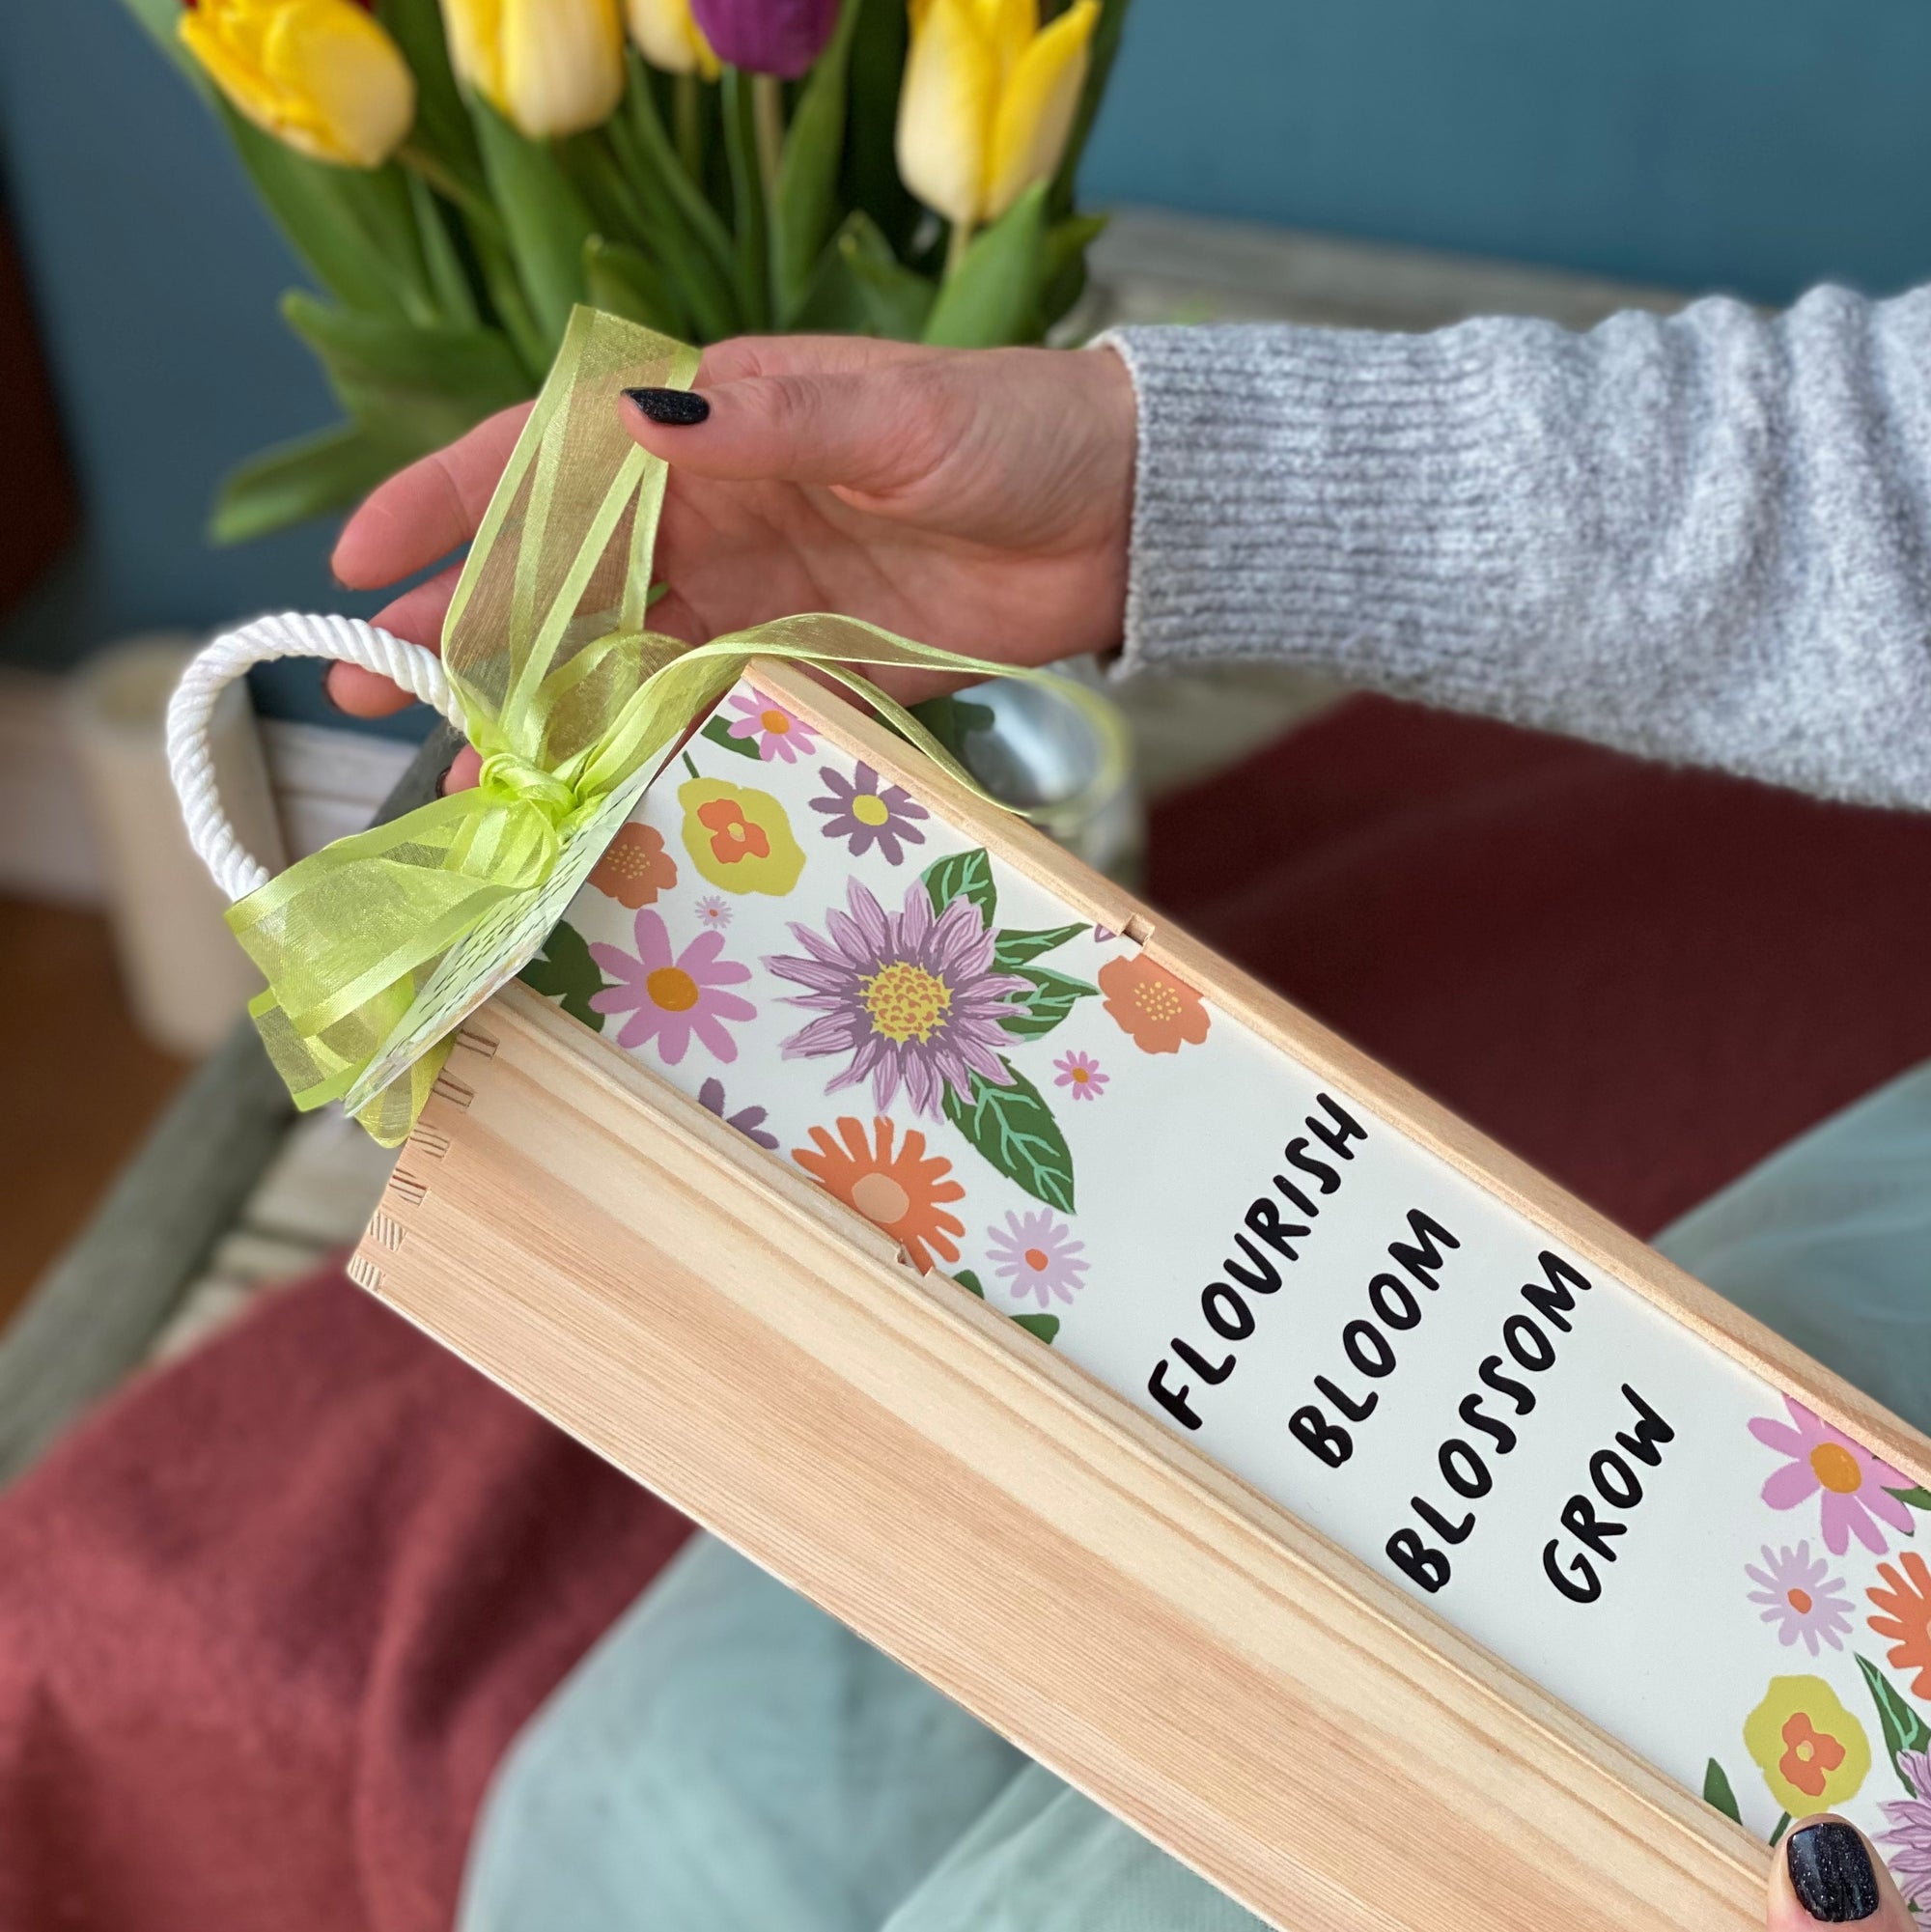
(1705, 539)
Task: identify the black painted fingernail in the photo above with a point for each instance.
(1831, 1873)
(677, 406)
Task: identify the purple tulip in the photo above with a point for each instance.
(781, 37)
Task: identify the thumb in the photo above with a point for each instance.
(1826, 1873)
(872, 436)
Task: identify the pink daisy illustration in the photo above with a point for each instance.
(1081, 1072)
(1038, 1256)
(1856, 1486)
(912, 996)
(713, 910)
(1907, 1844)
(670, 998)
(779, 734)
(1800, 1598)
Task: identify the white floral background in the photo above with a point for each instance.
(1021, 1098)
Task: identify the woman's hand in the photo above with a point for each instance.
(974, 499)
(1825, 1873)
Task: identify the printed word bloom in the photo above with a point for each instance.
(865, 813)
(1854, 1484)
(1906, 1603)
(1812, 1753)
(1156, 1012)
(1800, 1598)
(739, 838)
(670, 39)
(548, 67)
(904, 1193)
(779, 734)
(989, 100)
(1907, 1845)
(321, 76)
(911, 995)
(672, 998)
(634, 867)
(1037, 1255)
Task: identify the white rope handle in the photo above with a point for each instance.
(190, 763)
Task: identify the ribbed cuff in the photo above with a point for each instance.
(1321, 496)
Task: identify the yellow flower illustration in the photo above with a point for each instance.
(1813, 1754)
(739, 838)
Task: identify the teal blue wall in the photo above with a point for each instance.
(1749, 145)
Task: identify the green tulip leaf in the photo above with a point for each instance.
(565, 972)
(623, 281)
(442, 121)
(805, 202)
(1102, 51)
(860, 288)
(545, 220)
(749, 213)
(962, 872)
(871, 182)
(1904, 1729)
(295, 481)
(1054, 996)
(1013, 1128)
(1717, 1791)
(1062, 278)
(992, 297)
(1014, 949)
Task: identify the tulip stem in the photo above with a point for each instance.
(959, 241)
(686, 112)
(768, 122)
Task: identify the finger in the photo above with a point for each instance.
(416, 615)
(463, 771)
(875, 433)
(424, 512)
(1826, 1873)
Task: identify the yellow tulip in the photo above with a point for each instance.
(669, 38)
(320, 75)
(989, 100)
(548, 67)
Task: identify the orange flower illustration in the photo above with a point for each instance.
(1908, 1619)
(900, 1193)
(636, 867)
(732, 836)
(1156, 1012)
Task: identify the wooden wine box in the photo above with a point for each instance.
(1372, 1525)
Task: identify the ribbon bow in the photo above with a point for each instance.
(377, 946)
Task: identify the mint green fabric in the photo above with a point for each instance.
(729, 1759)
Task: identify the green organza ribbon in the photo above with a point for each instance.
(568, 696)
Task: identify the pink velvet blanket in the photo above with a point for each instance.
(270, 1620)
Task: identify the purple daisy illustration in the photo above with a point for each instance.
(670, 998)
(1081, 1072)
(780, 736)
(713, 910)
(866, 813)
(1800, 1598)
(750, 1121)
(1907, 1844)
(1038, 1256)
(912, 996)
(1856, 1485)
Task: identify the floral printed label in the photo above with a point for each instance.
(1030, 1104)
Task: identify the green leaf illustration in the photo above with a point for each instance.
(1015, 1129)
(1014, 949)
(969, 1281)
(1053, 997)
(565, 972)
(1717, 1791)
(719, 733)
(967, 872)
(1778, 1830)
(1904, 1729)
(1045, 1327)
(1913, 1498)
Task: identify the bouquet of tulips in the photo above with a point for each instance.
(457, 174)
